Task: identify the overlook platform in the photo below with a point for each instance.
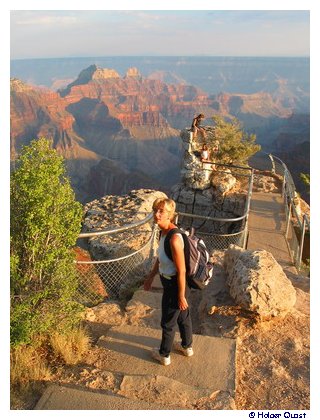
(267, 224)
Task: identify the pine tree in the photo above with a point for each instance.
(235, 146)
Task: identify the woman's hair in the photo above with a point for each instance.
(168, 205)
(204, 147)
(200, 116)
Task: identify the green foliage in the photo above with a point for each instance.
(306, 180)
(45, 223)
(235, 146)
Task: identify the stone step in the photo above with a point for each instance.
(212, 367)
(166, 391)
(69, 398)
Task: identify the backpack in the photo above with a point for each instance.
(199, 269)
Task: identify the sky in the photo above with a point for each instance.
(87, 33)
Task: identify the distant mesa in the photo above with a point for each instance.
(17, 85)
(105, 74)
(90, 73)
(133, 72)
(97, 73)
(167, 77)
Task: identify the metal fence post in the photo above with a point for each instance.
(301, 242)
(284, 182)
(273, 170)
(245, 238)
(288, 219)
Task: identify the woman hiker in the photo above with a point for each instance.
(175, 307)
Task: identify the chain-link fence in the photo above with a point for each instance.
(220, 232)
(114, 277)
(221, 242)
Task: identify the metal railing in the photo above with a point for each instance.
(116, 275)
(296, 226)
(113, 277)
(214, 238)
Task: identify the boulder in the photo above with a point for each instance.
(264, 183)
(257, 282)
(223, 182)
(144, 309)
(116, 211)
(108, 313)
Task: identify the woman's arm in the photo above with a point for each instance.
(179, 261)
(149, 279)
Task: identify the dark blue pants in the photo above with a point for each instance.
(172, 316)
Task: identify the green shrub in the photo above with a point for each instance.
(235, 146)
(45, 223)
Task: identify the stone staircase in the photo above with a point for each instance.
(203, 381)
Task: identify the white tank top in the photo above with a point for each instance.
(166, 266)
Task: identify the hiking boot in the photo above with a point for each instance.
(165, 361)
(188, 352)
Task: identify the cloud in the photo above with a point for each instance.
(62, 33)
(260, 16)
(42, 20)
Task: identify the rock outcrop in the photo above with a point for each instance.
(207, 191)
(257, 282)
(133, 72)
(116, 211)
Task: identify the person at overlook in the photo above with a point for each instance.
(175, 306)
(195, 127)
(205, 153)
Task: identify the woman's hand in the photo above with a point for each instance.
(148, 283)
(182, 303)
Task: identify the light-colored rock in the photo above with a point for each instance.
(133, 72)
(265, 183)
(223, 182)
(106, 313)
(156, 388)
(219, 400)
(257, 282)
(116, 211)
(105, 74)
(144, 309)
(194, 173)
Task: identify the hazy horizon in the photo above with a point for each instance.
(213, 33)
(163, 55)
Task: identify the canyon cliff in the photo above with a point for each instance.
(105, 124)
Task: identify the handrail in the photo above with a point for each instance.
(117, 229)
(120, 258)
(229, 165)
(289, 194)
(287, 175)
(150, 215)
